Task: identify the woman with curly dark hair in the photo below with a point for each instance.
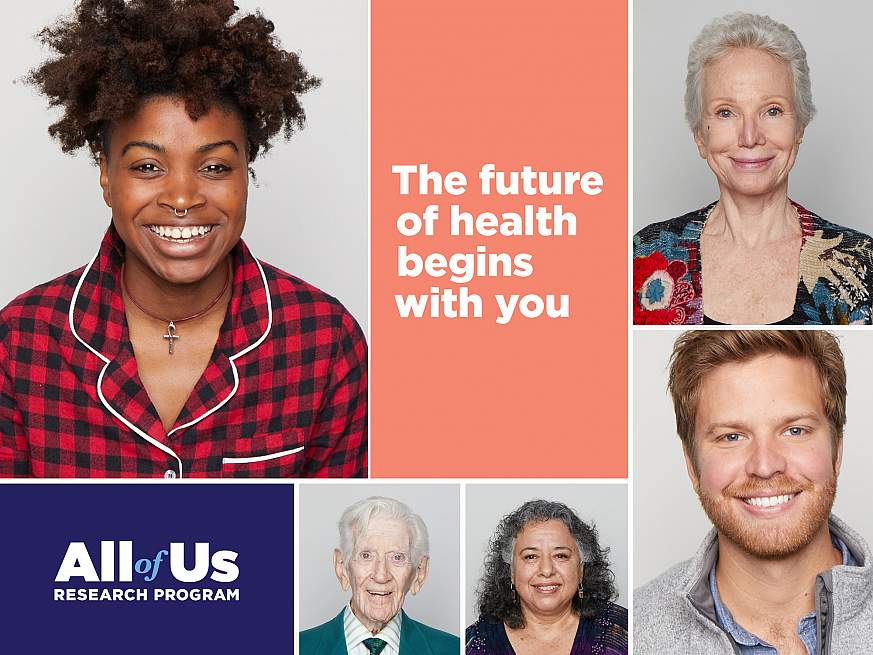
(547, 588)
(174, 352)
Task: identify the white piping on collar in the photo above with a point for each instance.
(107, 361)
(232, 358)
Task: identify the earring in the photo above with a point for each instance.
(581, 592)
(514, 593)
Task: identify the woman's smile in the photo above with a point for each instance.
(546, 587)
(182, 241)
(753, 164)
(180, 234)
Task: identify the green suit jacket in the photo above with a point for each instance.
(415, 639)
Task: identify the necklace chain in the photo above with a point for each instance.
(171, 335)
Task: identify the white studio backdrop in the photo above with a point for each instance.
(603, 504)
(320, 596)
(669, 523)
(832, 174)
(308, 213)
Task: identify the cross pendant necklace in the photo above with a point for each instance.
(171, 335)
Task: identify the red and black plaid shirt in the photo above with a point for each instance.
(285, 393)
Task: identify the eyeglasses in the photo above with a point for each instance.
(395, 558)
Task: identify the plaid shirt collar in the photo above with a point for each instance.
(98, 322)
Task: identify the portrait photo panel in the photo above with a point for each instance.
(601, 506)
(309, 195)
(834, 187)
(321, 506)
(669, 523)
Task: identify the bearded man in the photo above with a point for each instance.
(760, 414)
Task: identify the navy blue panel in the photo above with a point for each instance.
(40, 520)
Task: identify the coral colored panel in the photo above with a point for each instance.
(457, 84)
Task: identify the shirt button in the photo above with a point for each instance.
(169, 474)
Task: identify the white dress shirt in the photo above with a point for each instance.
(356, 632)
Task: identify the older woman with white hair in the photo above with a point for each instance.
(383, 554)
(754, 256)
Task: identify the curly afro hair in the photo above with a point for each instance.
(496, 598)
(113, 54)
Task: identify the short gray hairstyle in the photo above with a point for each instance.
(357, 517)
(744, 30)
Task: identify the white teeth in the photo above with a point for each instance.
(551, 587)
(184, 234)
(768, 501)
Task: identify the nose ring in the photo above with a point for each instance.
(180, 214)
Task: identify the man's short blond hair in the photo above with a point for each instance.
(699, 352)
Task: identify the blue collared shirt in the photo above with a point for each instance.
(750, 644)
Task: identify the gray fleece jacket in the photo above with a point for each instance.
(675, 614)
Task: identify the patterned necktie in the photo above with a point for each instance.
(375, 646)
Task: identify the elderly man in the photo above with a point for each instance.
(760, 414)
(383, 554)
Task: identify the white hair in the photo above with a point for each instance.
(744, 30)
(357, 517)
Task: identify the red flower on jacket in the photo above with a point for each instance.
(660, 294)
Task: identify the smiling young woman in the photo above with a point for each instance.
(175, 352)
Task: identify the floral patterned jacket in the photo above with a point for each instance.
(836, 272)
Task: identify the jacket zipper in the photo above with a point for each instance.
(823, 602)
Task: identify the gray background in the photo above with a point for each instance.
(604, 504)
(669, 523)
(308, 214)
(832, 174)
(321, 505)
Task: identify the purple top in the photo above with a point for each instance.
(605, 634)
